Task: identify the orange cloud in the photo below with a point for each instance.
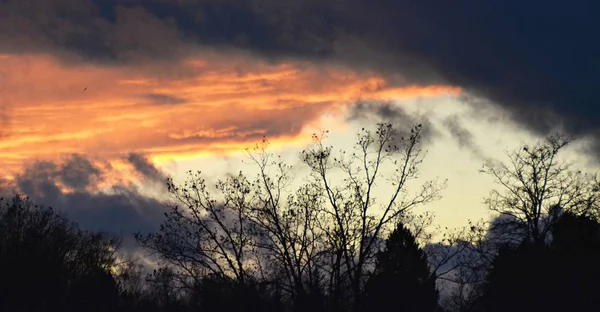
(199, 106)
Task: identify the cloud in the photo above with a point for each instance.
(163, 99)
(77, 187)
(462, 136)
(148, 170)
(230, 104)
(390, 112)
(78, 172)
(87, 30)
(533, 60)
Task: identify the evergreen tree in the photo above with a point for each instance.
(559, 276)
(402, 278)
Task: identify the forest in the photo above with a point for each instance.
(348, 235)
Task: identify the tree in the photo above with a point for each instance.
(95, 291)
(576, 247)
(313, 240)
(518, 280)
(216, 294)
(553, 277)
(535, 182)
(163, 289)
(129, 276)
(460, 262)
(402, 278)
(357, 220)
(58, 266)
(283, 222)
(204, 237)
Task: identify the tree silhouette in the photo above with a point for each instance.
(259, 244)
(215, 294)
(130, 280)
(95, 291)
(402, 278)
(534, 182)
(551, 277)
(48, 264)
(547, 210)
(317, 240)
(460, 262)
(518, 280)
(354, 218)
(576, 246)
(537, 188)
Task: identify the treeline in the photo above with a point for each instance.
(345, 237)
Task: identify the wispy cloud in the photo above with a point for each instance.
(509, 52)
(462, 135)
(163, 99)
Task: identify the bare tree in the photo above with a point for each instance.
(284, 222)
(129, 275)
(312, 238)
(535, 186)
(420, 225)
(206, 236)
(248, 230)
(357, 219)
(460, 263)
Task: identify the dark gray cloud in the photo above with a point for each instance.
(387, 111)
(537, 59)
(78, 172)
(99, 31)
(121, 210)
(163, 99)
(146, 168)
(461, 135)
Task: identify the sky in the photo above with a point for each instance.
(101, 100)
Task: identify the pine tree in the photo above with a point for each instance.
(402, 278)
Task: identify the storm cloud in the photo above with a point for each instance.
(533, 58)
(387, 111)
(73, 187)
(146, 168)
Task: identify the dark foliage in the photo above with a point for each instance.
(402, 277)
(217, 294)
(49, 264)
(560, 276)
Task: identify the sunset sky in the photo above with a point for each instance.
(101, 99)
